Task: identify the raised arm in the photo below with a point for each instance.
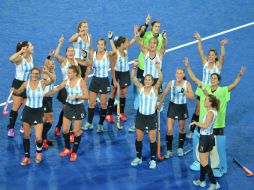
(52, 77)
(237, 80)
(164, 43)
(131, 42)
(208, 121)
(133, 75)
(142, 29)
(142, 47)
(110, 37)
(200, 48)
(222, 51)
(16, 57)
(59, 58)
(192, 75)
(75, 36)
(20, 90)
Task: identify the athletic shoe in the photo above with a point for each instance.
(11, 133)
(87, 126)
(122, 117)
(110, 118)
(132, 128)
(65, 152)
(199, 183)
(73, 156)
(45, 145)
(168, 154)
(99, 128)
(57, 132)
(21, 129)
(152, 164)
(25, 161)
(189, 135)
(136, 161)
(217, 172)
(195, 166)
(72, 136)
(180, 152)
(38, 157)
(214, 186)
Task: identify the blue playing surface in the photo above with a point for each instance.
(104, 160)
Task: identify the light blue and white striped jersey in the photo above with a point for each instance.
(209, 129)
(79, 45)
(147, 103)
(75, 91)
(64, 69)
(49, 87)
(177, 96)
(207, 74)
(34, 97)
(23, 70)
(150, 65)
(101, 67)
(122, 64)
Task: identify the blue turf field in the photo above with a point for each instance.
(104, 160)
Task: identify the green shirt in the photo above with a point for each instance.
(145, 40)
(223, 95)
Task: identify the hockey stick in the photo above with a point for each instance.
(159, 138)
(188, 151)
(118, 124)
(5, 112)
(249, 173)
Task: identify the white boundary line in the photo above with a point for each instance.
(189, 43)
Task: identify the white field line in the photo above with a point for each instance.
(189, 43)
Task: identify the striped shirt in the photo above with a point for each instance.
(122, 64)
(74, 91)
(81, 45)
(101, 67)
(209, 129)
(64, 69)
(23, 69)
(207, 73)
(177, 96)
(147, 102)
(34, 97)
(49, 87)
(149, 65)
